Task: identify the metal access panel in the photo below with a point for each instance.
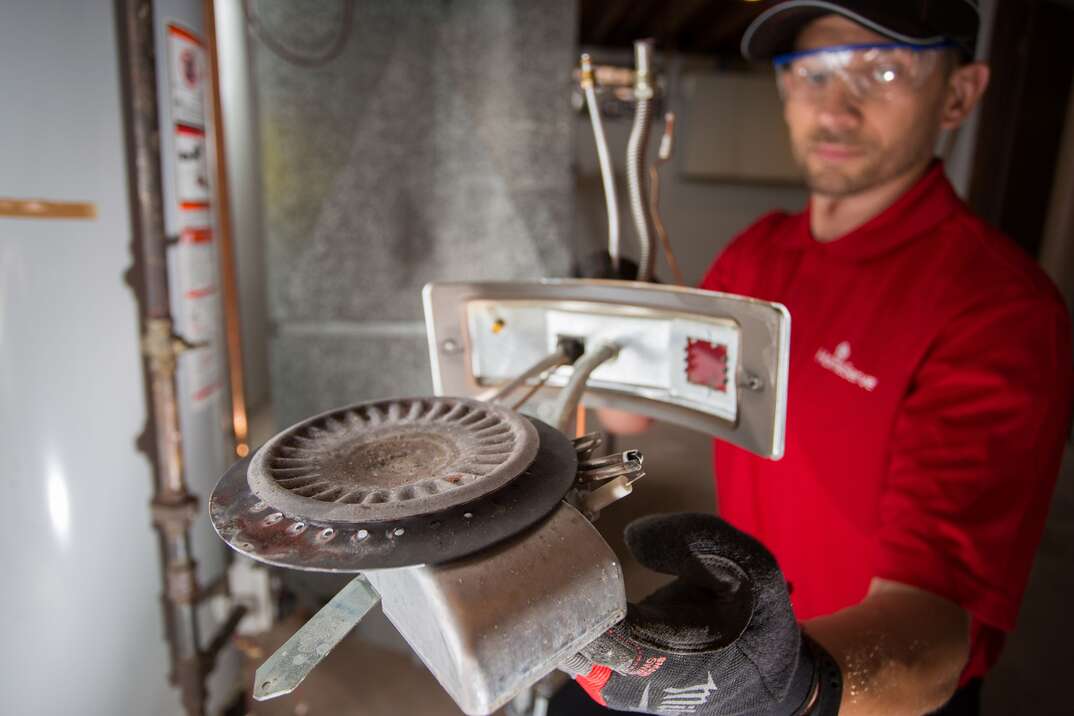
(709, 361)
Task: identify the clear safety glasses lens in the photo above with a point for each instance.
(867, 71)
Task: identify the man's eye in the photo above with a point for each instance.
(816, 79)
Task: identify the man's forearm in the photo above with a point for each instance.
(901, 650)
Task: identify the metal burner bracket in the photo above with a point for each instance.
(708, 361)
(490, 625)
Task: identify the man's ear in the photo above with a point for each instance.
(965, 87)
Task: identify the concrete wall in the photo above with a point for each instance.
(436, 145)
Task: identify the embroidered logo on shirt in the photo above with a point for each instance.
(839, 363)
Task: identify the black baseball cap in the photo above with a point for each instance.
(914, 22)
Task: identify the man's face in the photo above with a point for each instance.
(847, 144)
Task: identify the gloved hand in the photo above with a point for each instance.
(719, 639)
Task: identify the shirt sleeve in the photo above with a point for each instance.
(975, 453)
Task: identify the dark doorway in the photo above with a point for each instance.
(1023, 117)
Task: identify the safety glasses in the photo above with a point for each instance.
(869, 72)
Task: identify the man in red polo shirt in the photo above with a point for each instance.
(930, 394)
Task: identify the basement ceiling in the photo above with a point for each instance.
(711, 27)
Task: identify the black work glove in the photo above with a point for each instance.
(719, 639)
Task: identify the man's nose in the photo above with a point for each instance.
(838, 108)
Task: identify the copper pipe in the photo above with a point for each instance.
(579, 422)
(222, 209)
(667, 144)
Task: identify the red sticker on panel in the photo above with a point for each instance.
(706, 364)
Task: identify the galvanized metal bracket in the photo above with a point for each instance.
(291, 663)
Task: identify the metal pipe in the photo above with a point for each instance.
(179, 603)
(586, 444)
(173, 508)
(135, 20)
(216, 588)
(532, 391)
(636, 150)
(568, 399)
(567, 351)
(607, 171)
(223, 636)
(150, 273)
(551, 361)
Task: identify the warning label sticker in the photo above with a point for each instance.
(186, 62)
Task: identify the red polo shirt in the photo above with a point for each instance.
(930, 395)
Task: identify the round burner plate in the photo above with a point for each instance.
(374, 506)
(392, 459)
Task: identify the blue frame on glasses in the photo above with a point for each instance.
(789, 57)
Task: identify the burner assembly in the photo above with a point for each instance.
(472, 523)
(384, 461)
(393, 483)
(445, 505)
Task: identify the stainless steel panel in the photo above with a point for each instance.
(479, 332)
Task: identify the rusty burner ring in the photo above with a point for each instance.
(327, 534)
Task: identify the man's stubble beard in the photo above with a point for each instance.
(873, 169)
(879, 166)
(836, 183)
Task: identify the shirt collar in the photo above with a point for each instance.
(921, 208)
